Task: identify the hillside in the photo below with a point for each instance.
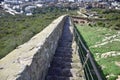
(104, 44)
(103, 40)
(16, 30)
(112, 18)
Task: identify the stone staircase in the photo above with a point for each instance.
(66, 63)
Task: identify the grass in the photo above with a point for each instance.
(16, 30)
(109, 65)
(93, 35)
(114, 46)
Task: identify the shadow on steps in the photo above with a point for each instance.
(65, 64)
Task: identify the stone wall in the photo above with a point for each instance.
(31, 60)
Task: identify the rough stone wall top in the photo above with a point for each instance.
(22, 57)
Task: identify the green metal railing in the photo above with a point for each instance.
(88, 64)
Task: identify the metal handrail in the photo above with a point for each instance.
(88, 58)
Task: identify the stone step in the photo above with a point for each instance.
(63, 78)
(73, 72)
(67, 36)
(64, 48)
(59, 47)
(67, 54)
(63, 55)
(54, 71)
(65, 64)
(73, 65)
(64, 44)
(66, 72)
(69, 39)
(66, 59)
(63, 51)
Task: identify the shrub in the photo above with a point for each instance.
(101, 24)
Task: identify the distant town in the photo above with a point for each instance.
(26, 6)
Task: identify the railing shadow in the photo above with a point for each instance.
(84, 52)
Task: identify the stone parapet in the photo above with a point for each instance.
(31, 60)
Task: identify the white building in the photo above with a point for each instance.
(11, 1)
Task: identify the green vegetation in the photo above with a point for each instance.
(55, 10)
(110, 68)
(94, 34)
(97, 35)
(16, 30)
(103, 39)
(112, 18)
